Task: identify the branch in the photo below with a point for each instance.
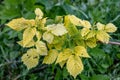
(115, 43)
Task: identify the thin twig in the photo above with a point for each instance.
(115, 43)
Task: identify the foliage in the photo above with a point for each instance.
(105, 58)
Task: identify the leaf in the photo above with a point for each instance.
(85, 24)
(28, 35)
(41, 48)
(74, 20)
(47, 36)
(31, 58)
(30, 44)
(64, 55)
(74, 65)
(100, 26)
(81, 51)
(102, 36)
(110, 27)
(51, 57)
(71, 28)
(20, 24)
(91, 34)
(39, 13)
(85, 31)
(57, 29)
(78, 22)
(38, 35)
(91, 42)
(62, 63)
(99, 77)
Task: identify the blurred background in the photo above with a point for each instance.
(104, 63)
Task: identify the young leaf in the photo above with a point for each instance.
(74, 65)
(51, 57)
(39, 13)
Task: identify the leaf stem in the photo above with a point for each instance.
(115, 43)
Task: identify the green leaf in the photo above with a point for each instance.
(99, 77)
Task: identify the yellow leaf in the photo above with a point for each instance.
(71, 28)
(57, 29)
(74, 20)
(85, 24)
(81, 51)
(78, 22)
(38, 35)
(30, 44)
(41, 48)
(100, 26)
(110, 27)
(91, 42)
(58, 46)
(47, 36)
(64, 55)
(91, 34)
(74, 65)
(28, 35)
(31, 58)
(39, 13)
(62, 63)
(51, 57)
(20, 24)
(102, 36)
(85, 31)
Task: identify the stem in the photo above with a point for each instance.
(115, 43)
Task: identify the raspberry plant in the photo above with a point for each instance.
(62, 41)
